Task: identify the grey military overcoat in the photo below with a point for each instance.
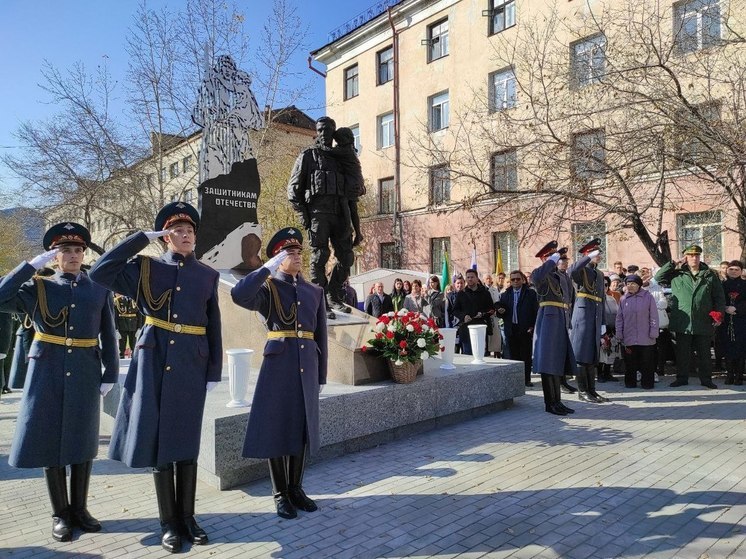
(58, 422)
(285, 410)
(588, 314)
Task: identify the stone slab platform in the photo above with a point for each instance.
(353, 418)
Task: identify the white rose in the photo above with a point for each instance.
(425, 328)
(379, 327)
(398, 362)
(403, 312)
(391, 327)
(424, 355)
(421, 342)
(410, 328)
(390, 313)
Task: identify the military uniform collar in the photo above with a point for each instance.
(287, 277)
(63, 277)
(174, 258)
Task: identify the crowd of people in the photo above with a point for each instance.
(622, 324)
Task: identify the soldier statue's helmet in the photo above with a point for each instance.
(175, 212)
(590, 246)
(693, 249)
(67, 233)
(547, 249)
(289, 237)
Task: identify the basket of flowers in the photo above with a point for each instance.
(404, 339)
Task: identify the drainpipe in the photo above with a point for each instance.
(310, 66)
(398, 237)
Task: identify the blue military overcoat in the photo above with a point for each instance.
(553, 353)
(285, 410)
(159, 419)
(22, 346)
(58, 421)
(588, 314)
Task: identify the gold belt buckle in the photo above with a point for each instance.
(68, 342)
(177, 328)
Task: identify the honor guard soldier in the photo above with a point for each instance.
(588, 319)
(553, 355)
(178, 358)
(58, 423)
(284, 419)
(127, 322)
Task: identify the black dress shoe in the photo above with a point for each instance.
(62, 528)
(555, 409)
(564, 407)
(586, 397)
(300, 500)
(677, 383)
(171, 537)
(529, 385)
(83, 520)
(193, 532)
(285, 509)
(599, 399)
(709, 384)
(7, 390)
(567, 389)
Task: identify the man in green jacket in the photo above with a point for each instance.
(696, 298)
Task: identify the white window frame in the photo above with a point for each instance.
(385, 127)
(385, 65)
(704, 229)
(352, 81)
(588, 60)
(437, 40)
(355, 129)
(589, 154)
(439, 111)
(440, 185)
(504, 165)
(503, 90)
(386, 193)
(507, 241)
(503, 15)
(696, 12)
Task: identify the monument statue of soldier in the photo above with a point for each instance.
(321, 193)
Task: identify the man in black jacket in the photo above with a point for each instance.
(378, 303)
(473, 305)
(518, 308)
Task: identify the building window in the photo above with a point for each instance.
(589, 155)
(584, 232)
(704, 229)
(440, 185)
(352, 84)
(503, 90)
(389, 256)
(696, 24)
(386, 195)
(386, 130)
(186, 164)
(505, 170)
(189, 196)
(502, 15)
(588, 61)
(437, 40)
(385, 65)
(173, 170)
(505, 243)
(438, 111)
(440, 249)
(695, 126)
(163, 174)
(355, 129)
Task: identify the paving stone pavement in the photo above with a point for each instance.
(657, 474)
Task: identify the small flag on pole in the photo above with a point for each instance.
(474, 258)
(499, 261)
(445, 274)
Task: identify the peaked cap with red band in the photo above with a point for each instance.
(67, 233)
(547, 249)
(175, 212)
(590, 246)
(283, 239)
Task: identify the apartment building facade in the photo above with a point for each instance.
(418, 81)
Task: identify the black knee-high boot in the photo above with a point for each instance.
(278, 475)
(557, 393)
(584, 383)
(566, 387)
(80, 477)
(57, 485)
(296, 467)
(592, 387)
(550, 400)
(186, 490)
(165, 491)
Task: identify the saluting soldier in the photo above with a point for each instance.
(58, 423)
(284, 419)
(178, 358)
(127, 322)
(553, 355)
(588, 319)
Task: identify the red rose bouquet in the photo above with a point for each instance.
(405, 336)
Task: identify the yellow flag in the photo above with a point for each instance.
(499, 261)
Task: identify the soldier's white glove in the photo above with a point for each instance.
(105, 388)
(603, 329)
(273, 263)
(555, 257)
(211, 384)
(321, 388)
(3, 355)
(593, 254)
(38, 262)
(153, 235)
